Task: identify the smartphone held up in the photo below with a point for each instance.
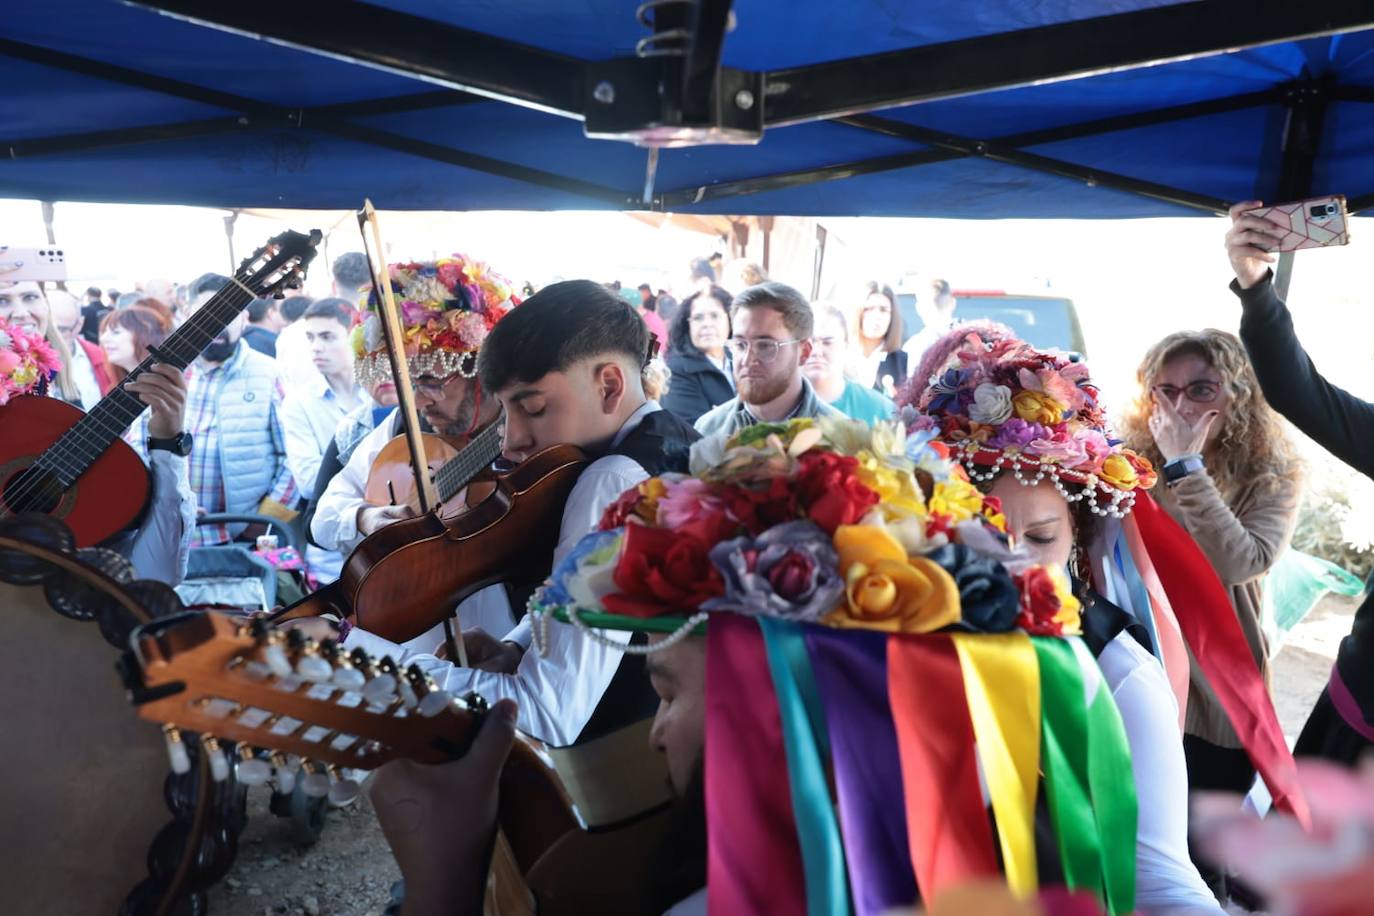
(1318, 222)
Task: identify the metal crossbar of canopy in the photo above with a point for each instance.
(994, 108)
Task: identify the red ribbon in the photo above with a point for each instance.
(947, 822)
(754, 864)
(1209, 624)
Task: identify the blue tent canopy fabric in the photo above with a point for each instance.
(108, 101)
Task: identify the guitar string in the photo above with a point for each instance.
(94, 432)
(471, 460)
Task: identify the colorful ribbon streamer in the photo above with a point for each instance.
(851, 671)
(1002, 683)
(1208, 620)
(804, 740)
(947, 823)
(1170, 646)
(754, 863)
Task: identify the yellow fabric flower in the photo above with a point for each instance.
(958, 499)
(652, 490)
(885, 590)
(1037, 407)
(1119, 472)
(895, 488)
(1070, 613)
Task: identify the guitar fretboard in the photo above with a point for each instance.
(78, 448)
(467, 464)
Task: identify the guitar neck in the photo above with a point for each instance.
(475, 457)
(79, 447)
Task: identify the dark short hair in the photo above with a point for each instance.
(701, 269)
(646, 286)
(333, 307)
(680, 334)
(560, 325)
(205, 283)
(351, 271)
(93, 291)
(259, 308)
(783, 299)
(293, 307)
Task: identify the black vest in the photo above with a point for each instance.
(659, 444)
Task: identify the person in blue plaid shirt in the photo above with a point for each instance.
(233, 415)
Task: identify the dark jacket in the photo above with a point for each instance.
(695, 387)
(261, 339)
(894, 364)
(1340, 423)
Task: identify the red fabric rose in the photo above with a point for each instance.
(1039, 603)
(760, 506)
(830, 492)
(619, 512)
(659, 572)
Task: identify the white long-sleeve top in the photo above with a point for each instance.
(557, 691)
(335, 526)
(162, 543)
(1167, 882)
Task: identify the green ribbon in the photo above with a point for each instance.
(807, 746)
(1083, 754)
(602, 621)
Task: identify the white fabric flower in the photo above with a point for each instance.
(991, 404)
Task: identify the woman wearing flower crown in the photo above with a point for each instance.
(1029, 427)
(1232, 480)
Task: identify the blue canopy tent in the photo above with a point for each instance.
(999, 108)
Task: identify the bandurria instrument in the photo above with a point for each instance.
(59, 461)
(453, 463)
(268, 703)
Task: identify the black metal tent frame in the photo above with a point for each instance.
(689, 86)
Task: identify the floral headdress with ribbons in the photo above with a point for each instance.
(870, 634)
(27, 362)
(447, 307)
(1006, 406)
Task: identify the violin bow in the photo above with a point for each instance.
(405, 390)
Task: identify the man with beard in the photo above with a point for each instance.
(441, 820)
(772, 327)
(233, 420)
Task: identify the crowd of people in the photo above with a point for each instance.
(285, 411)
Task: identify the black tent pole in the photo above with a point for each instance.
(1306, 101)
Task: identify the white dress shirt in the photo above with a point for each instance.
(557, 691)
(335, 526)
(83, 373)
(1167, 882)
(309, 417)
(162, 543)
(298, 372)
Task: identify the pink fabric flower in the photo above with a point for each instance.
(1060, 448)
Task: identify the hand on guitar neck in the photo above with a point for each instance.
(440, 819)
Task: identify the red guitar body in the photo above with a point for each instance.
(107, 499)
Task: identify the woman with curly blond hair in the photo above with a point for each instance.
(1233, 481)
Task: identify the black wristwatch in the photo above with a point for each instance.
(180, 444)
(1181, 467)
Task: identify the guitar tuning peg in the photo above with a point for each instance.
(177, 755)
(432, 700)
(403, 687)
(344, 790)
(274, 653)
(252, 770)
(380, 689)
(219, 764)
(346, 676)
(315, 782)
(309, 664)
(285, 773)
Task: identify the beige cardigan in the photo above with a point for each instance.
(1243, 540)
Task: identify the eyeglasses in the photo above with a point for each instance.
(429, 385)
(1197, 392)
(765, 349)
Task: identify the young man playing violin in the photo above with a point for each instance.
(565, 367)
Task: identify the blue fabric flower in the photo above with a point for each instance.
(791, 571)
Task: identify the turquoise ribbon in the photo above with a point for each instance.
(807, 745)
(1136, 601)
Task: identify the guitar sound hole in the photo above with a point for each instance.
(33, 490)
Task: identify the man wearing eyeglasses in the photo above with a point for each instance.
(772, 327)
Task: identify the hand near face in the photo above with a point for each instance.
(1174, 434)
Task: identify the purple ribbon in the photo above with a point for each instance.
(850, 667)
(1347, 706)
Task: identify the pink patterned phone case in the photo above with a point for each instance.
(1318, 222)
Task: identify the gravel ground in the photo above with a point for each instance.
(349, 872)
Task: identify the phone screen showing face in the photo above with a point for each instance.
(1318, 222)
